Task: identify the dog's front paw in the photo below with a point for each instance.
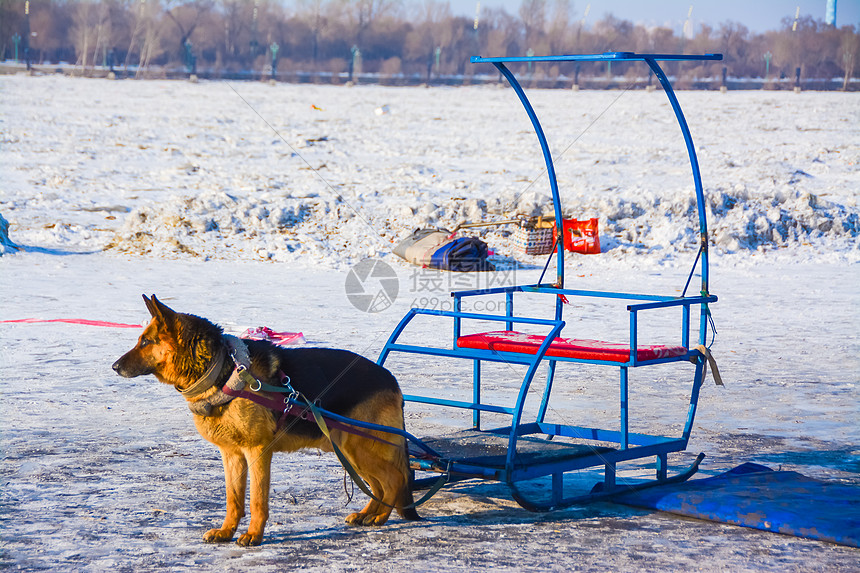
(218, 535)
(249, 538)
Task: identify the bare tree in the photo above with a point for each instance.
(788, 46)
(504, 36)
(849, 48)
(432, 32)
(733, 44)
(533, 17)
(316, 15)
(104, 30)
(559, 30)
(145, 37)
(362, 14)
(237, 23)
(186, 15)
(82, 34)
(613, 34)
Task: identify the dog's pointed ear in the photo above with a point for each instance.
(151, 306)
(157, 309)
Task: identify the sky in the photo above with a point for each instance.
(757, 15)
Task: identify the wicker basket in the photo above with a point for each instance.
(533, 238)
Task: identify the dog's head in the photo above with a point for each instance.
(155, 347)
(175, 347)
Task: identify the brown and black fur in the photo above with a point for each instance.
(178, 348)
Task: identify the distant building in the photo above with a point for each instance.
(830, 14)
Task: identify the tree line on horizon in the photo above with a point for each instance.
(395, 37)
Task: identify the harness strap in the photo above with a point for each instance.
(709, 359)
(321, 422)
(311, 413)
(301, 411)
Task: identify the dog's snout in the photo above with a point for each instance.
(130, 365)
(120, 368)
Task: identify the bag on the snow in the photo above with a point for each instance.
(439, 249)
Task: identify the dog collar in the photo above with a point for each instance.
(237, 381)
(209, 378)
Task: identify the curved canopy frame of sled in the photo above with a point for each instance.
(526, 450)
(652, 61)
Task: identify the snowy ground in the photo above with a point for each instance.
(121, 188)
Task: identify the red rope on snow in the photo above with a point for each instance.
(260, 333)
(74, 321)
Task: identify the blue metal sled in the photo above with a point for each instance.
(535, 449)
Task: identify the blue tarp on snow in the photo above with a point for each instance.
(755, 496)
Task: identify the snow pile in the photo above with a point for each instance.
(784, 219)
(414, 214)
(194, 225)
(284, 228)
(739, 220)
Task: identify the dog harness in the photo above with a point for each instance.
(294, 404)
(238, 379)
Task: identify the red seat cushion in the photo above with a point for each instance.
(511, 341)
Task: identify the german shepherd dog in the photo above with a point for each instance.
(193, 355)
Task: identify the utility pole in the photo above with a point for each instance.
(794, 33)
(255, 44)
(27, 33)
